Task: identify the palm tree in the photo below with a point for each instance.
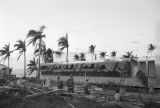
(58, 54)
(113, 54)
(92, 50)
(21, 47)
(128, 54)
(43, 52)
(5, 53)
(48, 56)
(76, 57)
(151, 48)
(36, 39)
(32, 66)
(63, 43)
(82, 57)
(102, 55)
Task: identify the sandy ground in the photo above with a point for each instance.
(131, 99)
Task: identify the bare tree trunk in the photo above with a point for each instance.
(24, 64)
(38, 77)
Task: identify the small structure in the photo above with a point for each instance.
(5, 72)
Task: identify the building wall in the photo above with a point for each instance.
(127, 81)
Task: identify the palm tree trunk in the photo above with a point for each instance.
(24, 64)
(67, 55)
(95, 55)
(53, 57)
(67, 48)
(39, 59)
(8, 61)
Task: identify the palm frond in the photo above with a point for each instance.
(82, 57)
(102, 54)
(4, 58)
(76, 57)
(92, 49)
(5, 52)
(42, 28)
(20, 53)
(113, 54)
(63, 43)
(32, 66)
(128, 54)
(32, 33)
(21, 47)
(151, 48)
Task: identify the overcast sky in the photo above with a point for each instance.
(121, 25)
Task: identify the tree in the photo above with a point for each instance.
(63, 43)
(58, 54)
(128, 54)
(21, 47)
(76, 57)
(102, 55)
(42, 52)
(36, 40)
(5, 53)
(141, 76)
(151, 48)
(82, 57)
(92, 50)
(32, 66)
(113, 54)
(48, 56)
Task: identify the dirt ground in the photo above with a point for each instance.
(37, 95)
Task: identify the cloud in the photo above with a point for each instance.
(135, 42)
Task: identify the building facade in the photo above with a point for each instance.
(5, 72)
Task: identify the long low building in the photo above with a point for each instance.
(117, 71)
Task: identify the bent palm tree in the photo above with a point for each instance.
(92, 50)
(82, 57)
(36, 39)
(21, 47)
(113, 54)
(63, 43)
(102, 55)
(151, 48)
(128, 54)
(32, 66)
(5, 53)
(76, 57)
